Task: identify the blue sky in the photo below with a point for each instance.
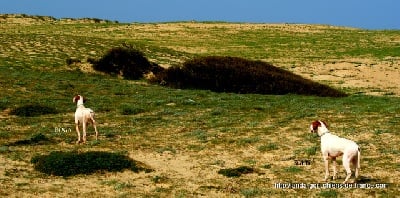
(368, 14)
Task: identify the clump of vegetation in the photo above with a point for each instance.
(73, 163)
(124, 60)
(236, 172)
(130, 110)
(36, 139)
(32, 110)
(4, 104)
(268, 147)
(293, 169)
(328, 193)
(238, 75)
(71, 61)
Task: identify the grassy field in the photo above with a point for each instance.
(187, 136)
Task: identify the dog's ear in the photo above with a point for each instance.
(76, 98)
(325, 124)
(315, 125)
(84, 99)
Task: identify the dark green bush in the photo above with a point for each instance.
(73, 163)
(238, 75)
(124, 60)
(32, 110)
(236, 172)
(91, 60)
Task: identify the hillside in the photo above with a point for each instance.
(188, 136)
(361, 60)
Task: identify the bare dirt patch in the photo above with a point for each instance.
(373, 77)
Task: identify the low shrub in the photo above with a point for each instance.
(32, 110)
(238, 75)
(36, 139)
(71, 61)
(236, 172)
(124, 60)
(4, 103)
(73, 163)
(130, 110)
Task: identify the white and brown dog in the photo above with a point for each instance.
(333, 146)
(83, 115)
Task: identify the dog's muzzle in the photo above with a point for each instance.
(312, 129)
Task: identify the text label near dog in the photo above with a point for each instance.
(60, 130)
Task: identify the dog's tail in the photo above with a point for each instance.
(92, 115)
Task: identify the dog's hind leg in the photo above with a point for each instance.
(78, 133)
(356, 163)
(95, 128)
(94, 124)
(346, 165)
(84, 132)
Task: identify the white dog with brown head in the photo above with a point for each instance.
(83, 115)
(333, 146)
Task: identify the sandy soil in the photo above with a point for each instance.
(366, 75)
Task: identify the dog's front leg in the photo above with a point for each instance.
(326, 161)
(79, 134)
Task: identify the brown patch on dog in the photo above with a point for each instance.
(76, 98)
(315, 125)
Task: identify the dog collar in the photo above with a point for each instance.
(324, 133)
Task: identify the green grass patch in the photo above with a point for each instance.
(251, 192)
(4, 103)
(36, 139)
(268, 147)
(328, 194)
(200, 135)
(293, 169)
(131, 110)
(311, 150)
